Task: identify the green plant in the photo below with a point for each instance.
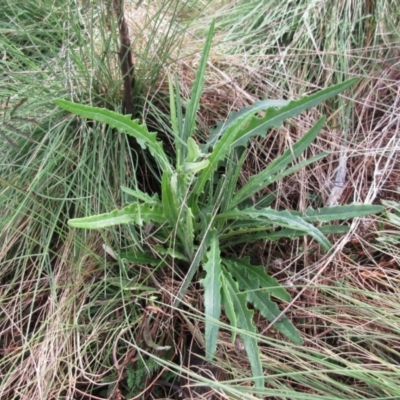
(202, 211)
(138, 375)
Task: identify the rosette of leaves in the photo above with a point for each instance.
(201, 211)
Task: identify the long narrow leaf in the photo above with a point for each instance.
(255, 108)
(140, 258)
(327, 214)
(245, 322)
(172, 109)
(187, 233)
(237, 237)
(255, 185)
(197, 90)
(135, 213)
(297, 149)
(179, 144)
(193, 268)
(169, 200)
(273, 117)
(227, 302)
(233, 170)
(297, 167)
(282, 218)
(212, 295)
(138, 194)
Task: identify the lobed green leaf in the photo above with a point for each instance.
(193, 151)
(124, 124)
(136, 213)
(259, 277)
(244, 319)
(249, 281)
(194, 167)
(282, 218)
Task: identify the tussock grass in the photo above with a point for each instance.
(72, 317)
(54, 303)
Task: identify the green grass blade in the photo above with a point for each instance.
(172, 109)
(274, 117)
(212, 295)
(124, 124)
(188, 232)
(139, 258)
(179, 143)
